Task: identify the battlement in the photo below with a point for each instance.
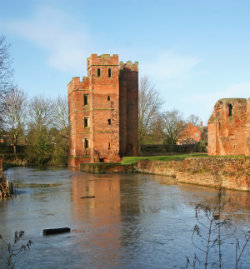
(129, 65)
(104, 59)
(75, 80)
(76, 83)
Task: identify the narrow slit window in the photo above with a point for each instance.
(109, 121)
(86, 122)
(108, 98)
(85, 99)
(86, 143)
(98, 72)
(109, 146)
(230, 110)
(109, 72)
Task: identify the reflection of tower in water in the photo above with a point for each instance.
(98, 217)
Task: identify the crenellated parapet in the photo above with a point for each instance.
(129, 65)
(77, 84)
(102, 60)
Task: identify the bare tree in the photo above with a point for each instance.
(41, 112)
(15, 113)
(194, 119)
(173, 126)
(6, 72)
(148, 108)
(61, 116)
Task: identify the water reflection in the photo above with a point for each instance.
(100, 216)
(134, 221)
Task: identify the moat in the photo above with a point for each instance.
(134, 221)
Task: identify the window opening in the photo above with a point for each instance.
(108, 98)
(230, 110)
(98, 72)
(85, 99)
(109, 146)
(109, 73)
(86, 143)
(86, 122)
(109, 121)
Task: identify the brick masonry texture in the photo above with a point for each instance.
(190, 135)
(103, 111)
(229, 127)
(229, 173)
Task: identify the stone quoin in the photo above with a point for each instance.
(103, 111)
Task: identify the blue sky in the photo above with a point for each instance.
(194, 51)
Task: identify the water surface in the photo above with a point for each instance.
(134, 221)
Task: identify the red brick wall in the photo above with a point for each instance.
(104, 106)
(112, 111)
(129, 108)
(227, 134)
(190, 133)
(228, 173)
(247, 152)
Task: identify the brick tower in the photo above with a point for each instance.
(103, 111)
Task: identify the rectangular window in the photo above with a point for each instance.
(109, 73)
(86, 122)
(86, 143)
(98, 72)
(85, 99)
(109, 121)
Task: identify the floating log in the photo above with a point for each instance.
(56, 231)
(216, 216)
(88, 197)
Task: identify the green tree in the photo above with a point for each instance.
(40, 120)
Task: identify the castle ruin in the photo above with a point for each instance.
(103, 111)
(229, 127)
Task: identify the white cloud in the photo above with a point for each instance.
(208, 100)
(66, 40)
(171, 67)
(241, 90)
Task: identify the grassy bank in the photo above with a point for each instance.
(131, 160)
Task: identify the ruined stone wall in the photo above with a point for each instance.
(227, 127)
(230, 173)
(247, 133)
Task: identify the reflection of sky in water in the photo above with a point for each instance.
(134, 221)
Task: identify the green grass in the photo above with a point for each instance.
(132, 160)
